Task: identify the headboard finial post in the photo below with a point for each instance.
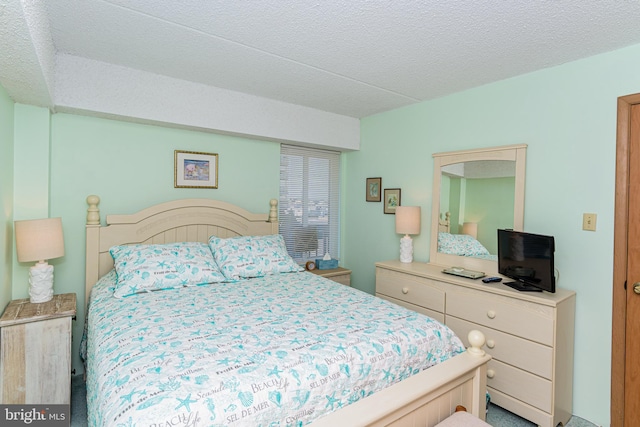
(93, 213)
(273, 211)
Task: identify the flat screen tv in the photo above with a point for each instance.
(527, 259)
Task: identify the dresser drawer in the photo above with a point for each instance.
(527, 355)
(534, 390)
(433, 314)
(411, 289)
(525, 319)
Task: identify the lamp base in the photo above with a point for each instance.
(406, 249)
(41, 283)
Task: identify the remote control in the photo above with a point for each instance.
(492, 279)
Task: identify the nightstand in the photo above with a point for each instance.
(35, 351)
(340, 275)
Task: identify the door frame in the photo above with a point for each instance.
(621, 222)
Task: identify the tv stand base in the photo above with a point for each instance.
(523, 287)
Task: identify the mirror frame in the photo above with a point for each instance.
(517, 153)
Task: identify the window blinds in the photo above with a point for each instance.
(309, 207)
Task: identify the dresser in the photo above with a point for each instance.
(35, 351)
(529, 334)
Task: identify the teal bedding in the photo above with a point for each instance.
(283, 349)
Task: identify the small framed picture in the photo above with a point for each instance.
(391, 200)
(374, 189)
(195, 170)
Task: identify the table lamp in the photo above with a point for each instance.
(471, 229)
(39, 240)
(407, 222)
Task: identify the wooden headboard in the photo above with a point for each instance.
(186, 220)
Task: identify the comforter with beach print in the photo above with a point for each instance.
(283, 350)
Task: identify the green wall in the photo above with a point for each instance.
(31, 179)
(6, 197)
(567, 116)
(489, 203)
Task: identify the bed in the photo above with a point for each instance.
(459, 244)
(232, 352)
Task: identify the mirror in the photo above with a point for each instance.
(475, 192)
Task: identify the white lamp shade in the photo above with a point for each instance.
(408, 220)
(471, 229)
(39, 239)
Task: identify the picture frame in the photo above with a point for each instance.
(193, 169)
(391, 200)
(374, 190)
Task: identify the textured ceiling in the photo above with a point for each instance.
(349, 57)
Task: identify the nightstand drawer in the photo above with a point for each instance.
(531, 321)
(343, 279)
(340, 275)
(526, 387)
(411, 289)
(38, 360)
(527, 355)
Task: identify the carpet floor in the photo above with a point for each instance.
(497, 417)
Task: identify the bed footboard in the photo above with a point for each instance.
(426, 398)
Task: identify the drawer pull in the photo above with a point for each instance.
(491, 343)
(405, 290)
(491, 373)
(491, 314)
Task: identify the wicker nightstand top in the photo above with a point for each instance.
(22, 311)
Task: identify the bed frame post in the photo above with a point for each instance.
(478, 402)
(273, 210)
(273, 216)
(92, 244)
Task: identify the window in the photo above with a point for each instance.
(309, 207)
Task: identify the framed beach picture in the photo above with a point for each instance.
(195, 170)
(391, 200)
(374, 189)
